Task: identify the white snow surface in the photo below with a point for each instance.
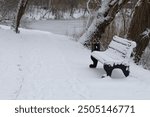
(40, 65)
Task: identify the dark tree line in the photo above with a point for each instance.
(9, 7)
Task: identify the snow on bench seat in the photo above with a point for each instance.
(118, 52)
(108, 58)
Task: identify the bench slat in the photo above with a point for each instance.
(123, 46)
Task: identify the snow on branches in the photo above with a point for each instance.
(104, 15)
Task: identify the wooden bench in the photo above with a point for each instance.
(116, 56)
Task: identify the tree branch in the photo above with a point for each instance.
(104, 17)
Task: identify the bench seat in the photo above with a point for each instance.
(106, 57)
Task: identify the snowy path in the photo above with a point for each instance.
(42, 65)
(46, 65)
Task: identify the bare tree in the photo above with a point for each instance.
(105, 15)
(140, 24)
(145, 59)
(20, 12)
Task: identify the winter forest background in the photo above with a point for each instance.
(45, 48)
(133, 14)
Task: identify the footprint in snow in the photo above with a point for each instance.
(19, 67)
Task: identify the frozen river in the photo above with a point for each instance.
(64, 27)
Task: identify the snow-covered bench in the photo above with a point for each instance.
(116, 56)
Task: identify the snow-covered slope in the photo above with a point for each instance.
(41, 65)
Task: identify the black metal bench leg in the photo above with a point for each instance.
(125, 70)
(108, 69)
(94, 65)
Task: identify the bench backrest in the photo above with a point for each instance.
(122, 46)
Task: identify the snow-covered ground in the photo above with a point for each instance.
(42, 65)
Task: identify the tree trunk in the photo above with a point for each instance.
(21, 9)
(139, 24)
(105, 15)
